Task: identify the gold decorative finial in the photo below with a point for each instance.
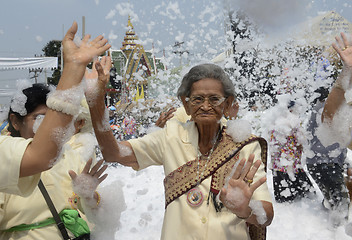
(129, 23)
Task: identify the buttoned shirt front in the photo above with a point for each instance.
(172, 147)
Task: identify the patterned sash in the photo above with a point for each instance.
(220, 165)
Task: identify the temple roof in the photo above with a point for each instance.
(130, 37)
(322, 30)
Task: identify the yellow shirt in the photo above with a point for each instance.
(11, 152)
(15, 210)
(181, 115)
(172, 147)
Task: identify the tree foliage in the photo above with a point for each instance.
(53, 49)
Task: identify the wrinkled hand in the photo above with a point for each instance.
(87, 50)
(100, 69)
(164, 117)
(103, 69)
(237, 195)
(96, 79)
(87, 182)
(343, 48)
(100, 74)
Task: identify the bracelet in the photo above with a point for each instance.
(99, 198)
(245, 218)
(66, 101)
(74, 199)
(59, 105)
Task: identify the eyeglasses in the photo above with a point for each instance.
(40, 117)
(212, 100)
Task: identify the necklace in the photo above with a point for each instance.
(195, 196)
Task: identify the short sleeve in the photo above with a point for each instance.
(149, 149)
(11, 153)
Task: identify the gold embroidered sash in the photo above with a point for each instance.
(220, 165)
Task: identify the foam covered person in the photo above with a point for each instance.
(30, 217)
(23, 160)
(206, 196)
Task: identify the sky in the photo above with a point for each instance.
(26, 26)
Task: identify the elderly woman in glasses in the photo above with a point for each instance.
(213, 187)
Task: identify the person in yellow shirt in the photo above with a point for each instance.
(22, 160)
(29, 217)
(198, 156)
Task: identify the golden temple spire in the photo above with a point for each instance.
(129, 23)
(130, 37)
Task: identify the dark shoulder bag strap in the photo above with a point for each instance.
(53, 211)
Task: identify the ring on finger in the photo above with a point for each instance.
(345, 48)
(249, 181)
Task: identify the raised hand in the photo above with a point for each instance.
(238, 193)
(164, 117)
(86, 183)
(103, 69)
(100, 69)
(86, 51)
(344, 49)
(97, 78)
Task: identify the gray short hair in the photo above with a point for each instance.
(203, 71)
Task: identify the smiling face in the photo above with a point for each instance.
(210, 90)
(25, 127)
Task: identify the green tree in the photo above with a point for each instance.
(53, 49)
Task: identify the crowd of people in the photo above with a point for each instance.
(215, 168)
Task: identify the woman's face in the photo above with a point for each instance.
(26, 126)
(206, 103)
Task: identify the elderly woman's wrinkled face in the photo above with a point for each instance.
(206, 102)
